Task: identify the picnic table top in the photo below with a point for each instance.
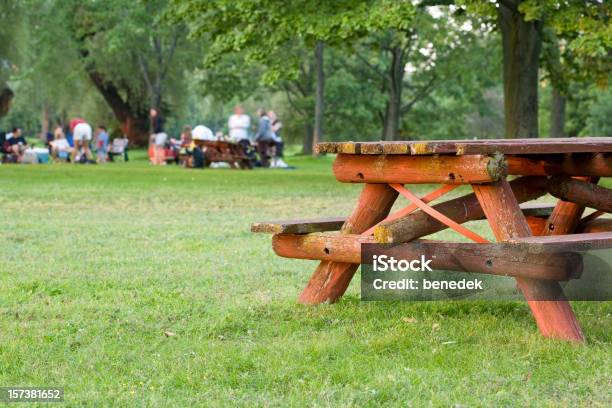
(467, 147)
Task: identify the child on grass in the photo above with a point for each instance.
(102, 144)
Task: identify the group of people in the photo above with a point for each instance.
(74, 146)
(261, 143)
(267, 138)
(83, 136)
(264, 139)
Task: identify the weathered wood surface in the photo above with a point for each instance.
(559, 243)
(538, 210)
(536, 224)
(507, 259)
(462, 209)
(399, 169)
(461, 147)
(597, 225)
(579, 164)
(330, 280)
(566, 216)
(555, 318)
(534, 211)
(581, 193)
(299, 226)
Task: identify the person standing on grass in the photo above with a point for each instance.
(102, 144)
(277, 125)
(264, 136)
(81, 133)
(158, 137)
(239, 124)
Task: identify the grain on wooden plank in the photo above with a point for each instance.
(299, 226)
(403, 169)
(483, 146)
(581, 193)
(494, 259)
(578, 164)
(540, 210)
(569, 242)
(535, 211)
(597, 225)
(536, 224)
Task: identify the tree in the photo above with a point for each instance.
(132, 58)
(408, 62)
(522, 23)
(264, 28)
(300, 93)
(10, 32)
(572, 54)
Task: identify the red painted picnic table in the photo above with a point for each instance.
(567, 168)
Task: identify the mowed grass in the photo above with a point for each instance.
(98, 262)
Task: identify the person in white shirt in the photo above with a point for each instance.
(201, 132)
(238, 125)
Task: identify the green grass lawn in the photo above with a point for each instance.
(98, 262)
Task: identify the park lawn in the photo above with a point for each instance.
(98, 262)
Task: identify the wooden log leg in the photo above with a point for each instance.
(330, 279)
(566, 215)
(554, 318)
(536, 225)
(564, 219)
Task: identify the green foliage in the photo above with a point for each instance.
(260, 53)
(263, 29)
(585, 25)
(120, 46)
(11, 36)
(125, 42)
(598, 121)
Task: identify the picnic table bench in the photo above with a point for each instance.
(567, 168)
(217, 151)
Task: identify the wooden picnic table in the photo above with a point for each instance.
(223, 151)
(567, 168)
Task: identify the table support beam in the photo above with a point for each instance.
(388, 169)
(493, 259)
(581, 192)
(586, 164)
(462, 209)
(554, 318)
(331, 279)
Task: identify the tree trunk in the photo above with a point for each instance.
(307, 142)
(319, 95)
(522, 42)
(395, 86)
(6, 95)
(392, 117)
(136, 128)
(557, 114)
(134, 124)
(44, 122)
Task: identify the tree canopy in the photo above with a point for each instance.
(346, 69)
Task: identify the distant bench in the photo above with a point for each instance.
(219, 151)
